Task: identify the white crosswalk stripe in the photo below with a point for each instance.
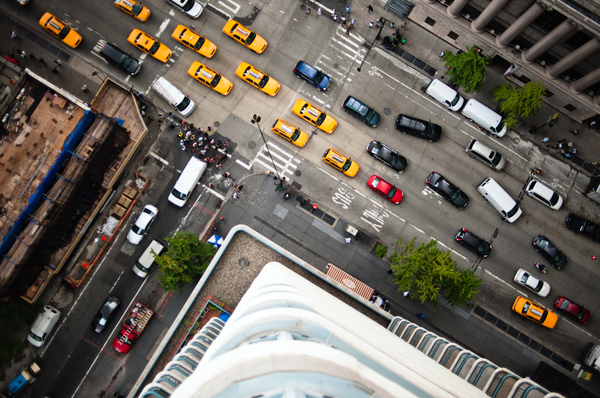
(285, 161)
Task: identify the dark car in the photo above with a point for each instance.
(473, 242)
(387, 155)
(361, 111)
(105, 314)
(583, 315)
(419, 128)
(548, 250)
(579, 224)
(114, 54)
(315, 77)
(448, 190)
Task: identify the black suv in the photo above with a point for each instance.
(387, 155)
(473, 242)
(419, 128)
(449, 191)
(361, 111)
(579, 224)
(114, 54)
(548, 250)
(318, 79)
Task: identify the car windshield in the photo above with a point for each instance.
(35, 337)
(557, 256)
(496, 159)
(347, 164)
(136, 9)
(321, 118)
(215, 81)
(554, 199)
(251, 38)
(319, 77)
(581, 313)
(543, 317)
(199, 43)
(455, 100)
(64, 32)
(188, 6)
(455, 195)
(500, 126)
(392, 192)
(539, 286)
(370, 114)
(184, 104)
(482, 247)
(137, 229)
(263, 81)
(154, 47)
(296, 135)
(429, 130)
(126, 62)
(393, 159)
(179, 195)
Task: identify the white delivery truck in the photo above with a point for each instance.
(187, 181)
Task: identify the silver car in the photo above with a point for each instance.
(486, 155)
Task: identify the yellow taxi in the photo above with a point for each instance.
(150, 45)
(133, 8)
(258, 79)
(290, 132)
(210, 78)
(340, 162)
(60, 30)
(535, 312)
(194, 41)
(315, 116)
(245, 36)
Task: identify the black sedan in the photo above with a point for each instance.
(548, 250)
(448, 190)
(579, 224)
(387, 155)
(419, 128)
(105, 314)
(473, 242)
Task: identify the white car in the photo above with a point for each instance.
(544, 194)
(142, 224)
(532, 283)
(191, 7)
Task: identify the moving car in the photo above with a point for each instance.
(60, 30)
(473, 242)
(449, 191)
(361, 111)
(387, 156)
(115, 55)
(257, 78)
(191, 7)
(142, 224)
(582, 314)
(535, 312)
(290, 132)
(544, 194)
(105, 314)
(385, 189)
(548, 250)
(577, 223)
(245, 36)
(210, 78)
(486, 155)
(338, 161)
(315, 116)
(149, 45)
(312, 75)
(194, 41)
(419, 128)
(134, 8)
(532, 283)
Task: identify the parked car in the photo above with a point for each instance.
(486, 155)
(582, 314)
(115, 55)
(532, 283)
(577, 223)
(535, 312)
(548, 250)
(385, 189)
(473, 242)
(419, 128)
(449, 191)
(312, 75)
(105, 314)
(544, 194)
(142, 224)
(359, 110)
(387, 155)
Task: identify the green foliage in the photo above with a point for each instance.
(430, 273)
(185, 262)
(10, 349)
(381, 251)
(467, 70)
(518, 102)
(14, 314)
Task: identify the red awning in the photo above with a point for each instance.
(349, 281)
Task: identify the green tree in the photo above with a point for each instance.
(518, 102)
(467, 70)
(430, 273)
(187, 259)
(15, 314)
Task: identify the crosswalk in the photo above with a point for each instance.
(286, 162)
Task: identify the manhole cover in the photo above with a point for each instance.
(217, 124)
(336, 65)
(297, 173)
(387, 111)
(251, 144)
(516, 140)
(150, 192)
(139, 204)
(160, 176)
(129, 246)
(243, 262)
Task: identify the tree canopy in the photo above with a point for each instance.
(518, 102)
(430, 273)
(187, 259)
(467, 69)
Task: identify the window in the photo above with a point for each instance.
(430, 21)
(570, 108)
(453, 35)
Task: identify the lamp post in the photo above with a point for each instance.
(383, 21)
(256, 119)
(101, 77)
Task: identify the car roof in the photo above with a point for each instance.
(483, 149)
(307, 69)
(541, 189)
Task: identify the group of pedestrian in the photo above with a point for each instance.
(565, 148)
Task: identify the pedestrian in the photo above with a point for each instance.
(319, 11)
(347, 241)
(85, 90)
(191, 126)
(421, 315)
(392, 25)
(335, 17)
(23, 54)
(41, 61)
(235, 195)
(369, 9)
(240, 188)
(308, 12)
(218, 165)
(226, 174)
(13, 35)
(370, 24)
(545, 139)
(55, 70)
(404, 25)
(211, 185)
(57, 62)
(208, 129)
(348, 31)
(406, 294)
(380, 20)
(347, 9)
(235, 187)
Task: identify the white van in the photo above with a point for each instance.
(445, 94)
(187, 181)
(143, 265)
(43, 325)
(174, 96)
(502, 202)
(476, 112)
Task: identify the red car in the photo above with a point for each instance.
(385, 189)
(582, 314)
